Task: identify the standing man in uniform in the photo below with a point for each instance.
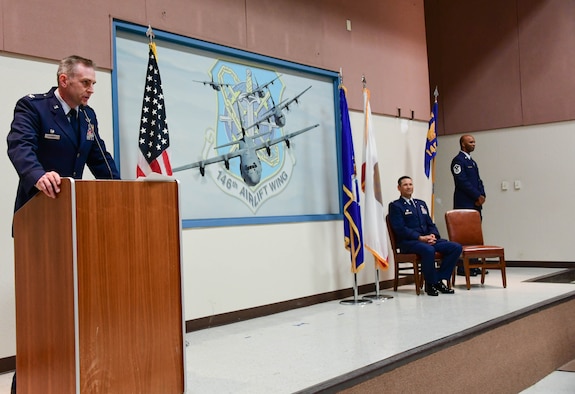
(55, 135)
(469, 191)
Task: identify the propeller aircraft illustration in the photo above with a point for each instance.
(247, 148)
(259, 91)
(215, 85)
(276, 112)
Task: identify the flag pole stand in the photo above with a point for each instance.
(377, 295)
(355, 300)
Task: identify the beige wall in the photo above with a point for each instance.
(533, 223)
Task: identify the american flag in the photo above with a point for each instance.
(154, 139)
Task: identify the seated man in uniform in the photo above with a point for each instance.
(416, 233)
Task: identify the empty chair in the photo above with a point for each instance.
(464, 227)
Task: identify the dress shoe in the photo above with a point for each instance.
(472, 271)
(431, 290)
(477, 271)
(440, 286)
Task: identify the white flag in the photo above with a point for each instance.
(374, 228)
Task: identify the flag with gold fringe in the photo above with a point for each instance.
(431, 141)
(375, 230)
(351, 208)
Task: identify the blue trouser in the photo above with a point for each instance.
(449, 250)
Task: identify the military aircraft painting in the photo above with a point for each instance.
(247, 148)
(259, 91)
(215, 85)
(276, 112)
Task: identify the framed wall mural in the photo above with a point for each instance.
(252, 139)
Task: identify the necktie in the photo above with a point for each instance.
(73, 115)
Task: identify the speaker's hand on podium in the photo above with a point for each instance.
(49, 184)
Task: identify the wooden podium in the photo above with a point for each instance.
(99, 289)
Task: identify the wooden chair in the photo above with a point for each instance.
(464, 227)
(401, 261)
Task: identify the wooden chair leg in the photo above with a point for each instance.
(421, 280)
(467, 273)
(458, 264)
(416, 278)
(503, 274)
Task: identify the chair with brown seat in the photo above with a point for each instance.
(464, 227)
(402, 259)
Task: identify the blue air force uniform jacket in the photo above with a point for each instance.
(41, 139)
(409, 222)
(468, 184)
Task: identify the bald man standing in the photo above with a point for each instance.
(469, 191)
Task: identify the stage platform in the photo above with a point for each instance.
(316, 348)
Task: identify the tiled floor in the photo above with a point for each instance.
(290, 351)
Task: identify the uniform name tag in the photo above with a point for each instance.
(52, 136)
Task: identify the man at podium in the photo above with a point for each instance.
(55, 134)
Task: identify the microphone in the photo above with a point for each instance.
(90, 126)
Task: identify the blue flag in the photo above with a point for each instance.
(351, 209)
(431, 142)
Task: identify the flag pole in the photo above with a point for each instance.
(355, 300)
(377, 296)
(435, 94)
(352, 243)
(433, 189)
(153, 139)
